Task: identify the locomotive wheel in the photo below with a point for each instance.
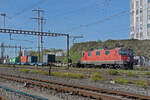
(117, 66)
(131, 66)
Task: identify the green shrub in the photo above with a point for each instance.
(73, 75)
(147, 73)
(131, 74)
(35, 71)
(141, 83)
(57, 74)
(122, 81)
(68, 75)
(44, 72)
(112, 72)
(96, 77)
(25, 70)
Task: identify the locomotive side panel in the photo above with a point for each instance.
(108, 57)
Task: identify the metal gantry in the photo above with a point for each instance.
(76, 37)
(26, 32)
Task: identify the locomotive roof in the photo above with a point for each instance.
(106, 49)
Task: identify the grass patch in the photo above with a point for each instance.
(96, 77)
(147, 73)
(122, 81)
(131, 74)
(44, 72)
(57, 74)
(141, 83)
(25, 70)
(112, 72)
(68, 75)
(35, 71)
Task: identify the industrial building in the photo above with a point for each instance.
(140, 19)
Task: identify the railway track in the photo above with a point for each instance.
(9, 91)
(81, 71)
(86, 91)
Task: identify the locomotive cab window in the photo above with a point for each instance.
(98, 53)
(123, 52)
(107, 52)
(89, 54)
(131, 52)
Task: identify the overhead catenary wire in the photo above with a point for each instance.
(27, 9)
(125, 12)
(114, 16)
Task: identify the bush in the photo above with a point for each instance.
(68, 75)
(96, 77)
(147, 73)
(25, 70)
(73, 75)
(44, 72)
(35, 71)
(131, 74)
(112, 72)
(122, 81)
(141, 83)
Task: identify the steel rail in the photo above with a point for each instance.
(90, 88)
(22, 93)
(93, 89)
(75, 91)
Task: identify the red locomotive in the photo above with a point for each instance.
(114, 58)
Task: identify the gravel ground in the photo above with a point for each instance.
(126, 88)
(42, 92)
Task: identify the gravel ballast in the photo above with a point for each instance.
(127, 88)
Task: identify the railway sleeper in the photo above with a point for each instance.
(119, 93)
(74, 91)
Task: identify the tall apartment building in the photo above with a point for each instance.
(140, 19)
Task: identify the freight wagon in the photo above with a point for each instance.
(32, 60)
(114, 58)
(48, 58)
(12, 60)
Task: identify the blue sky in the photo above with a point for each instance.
(87, 17)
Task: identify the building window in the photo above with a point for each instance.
(89, 54)
(141, 11)
(137, 19)
(132, 29)
(148, 17)
(148, 25)
(137, 4)
(107, 52)
(137, 12)
(141, 34)
(141, 2)
(98, 53)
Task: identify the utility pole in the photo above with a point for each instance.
(2, 50)
(42, 24)
(28, 32)
(4, 21)
(39, 26)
